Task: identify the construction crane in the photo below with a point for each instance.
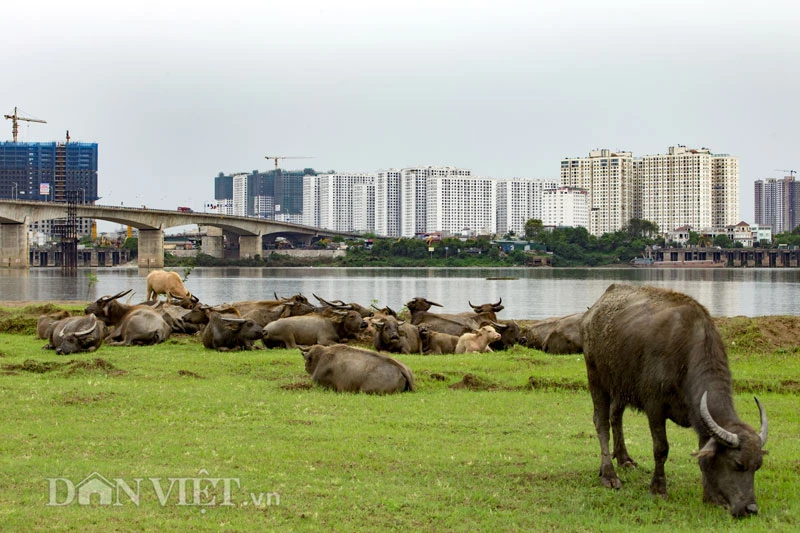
(15, 117)
(791, 172)
(276, 157)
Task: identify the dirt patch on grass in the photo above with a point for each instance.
(763, 333)
(537, 383)
(76, 398)
(189, 374)
(67, 368)
(475, 383)
(303, 385)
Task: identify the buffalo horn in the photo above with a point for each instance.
(433, 303)
(475, 307)
(498, 304)
(85, 331)
(720, 434)
(497, 326)
(763, 431)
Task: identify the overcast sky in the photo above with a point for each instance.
(175, 92)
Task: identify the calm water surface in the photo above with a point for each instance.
(526, 293)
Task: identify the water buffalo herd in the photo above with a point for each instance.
(652, 349)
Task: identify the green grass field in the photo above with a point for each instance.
(492, 442)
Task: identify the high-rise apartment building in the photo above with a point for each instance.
(414, 196)
(337, 196)
(608, 177)
(566, 206)
(676, 188)
(456, 204)
(387, 202)
(777, 203)
(276, 194)
(685, 186)
(519, 200)
(50, 172)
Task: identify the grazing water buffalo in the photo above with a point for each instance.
(76, 334)
(168, 283)
(478, 340)
(45, 322)
(348, 369)
(229, 333)
(330, 328)
(659, 351)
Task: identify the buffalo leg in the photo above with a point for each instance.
(658, 430)
(601, 423)
(620, 450)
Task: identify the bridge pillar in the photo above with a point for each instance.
(250, 246)
(14, 251)
(213, 243)
(151, 248)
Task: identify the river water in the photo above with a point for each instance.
(527, 293)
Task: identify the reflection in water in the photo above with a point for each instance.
(526, 293)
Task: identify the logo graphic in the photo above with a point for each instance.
(200, 490)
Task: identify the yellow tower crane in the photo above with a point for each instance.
(276, 157)
(15, 118)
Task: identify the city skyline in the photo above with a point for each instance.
(173, 95)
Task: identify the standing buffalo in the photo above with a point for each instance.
(348, 369)
(76, 334)
(168, 283)
(659, 351)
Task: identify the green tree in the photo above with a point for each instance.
(723, 241)
(533, 228)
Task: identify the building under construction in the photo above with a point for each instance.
(50, 172)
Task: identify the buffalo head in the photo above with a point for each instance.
(729, 461)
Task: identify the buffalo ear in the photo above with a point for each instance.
(708, 450)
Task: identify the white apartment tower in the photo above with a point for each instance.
(566, 206)
(519, 200)
(387, 203)
(364, 207)
(240, 195)
(414, 196)
(607, 176)
(458, 204)
(335, 198)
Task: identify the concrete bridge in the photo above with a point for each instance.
(251, 233)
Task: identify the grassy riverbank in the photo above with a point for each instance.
(500, 441)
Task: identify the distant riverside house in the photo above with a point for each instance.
(740, 232)
(679, 235)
